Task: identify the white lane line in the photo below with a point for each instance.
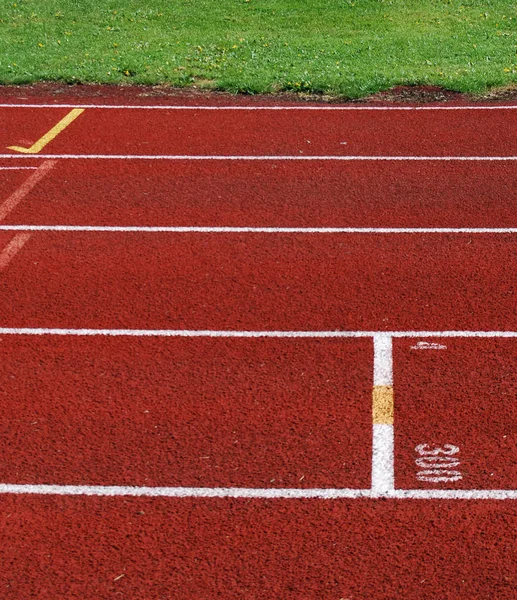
(382, 360)
(252, 157)
(17, 196)
(12, 249)
(383, 469)
(196, 229)
(265, 493)
(246, 108)
(16, 168)
(250, 334)
(185, 333)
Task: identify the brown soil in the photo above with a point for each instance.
(396, 95)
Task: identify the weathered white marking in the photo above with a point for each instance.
(12, 249)
(17, 196)
(428, 346)
(438, 463)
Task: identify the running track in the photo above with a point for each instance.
(258, 351)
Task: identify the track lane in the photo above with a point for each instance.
(263, 282)
(186, 412)
(156, 548)
(272, 194)
(462, 394)
(193, 132)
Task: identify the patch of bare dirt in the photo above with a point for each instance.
(136, 93)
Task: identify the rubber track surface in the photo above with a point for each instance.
(270, 414)
(260, 282)
(272, 194)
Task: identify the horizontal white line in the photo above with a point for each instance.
(266, 493)
(213, 333)
(195, 229)
(216, 108)
(16, 168)
(251, 157)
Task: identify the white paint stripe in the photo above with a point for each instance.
(12, 249)
(383, 469)
(250, 334)
(251, 108)
(195, 229)
(266, 493)
(16, 168)
(185, 333)
(252, 157)
(382, 359)
(25, 188)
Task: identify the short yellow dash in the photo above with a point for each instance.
(382, 406)
(50, 135)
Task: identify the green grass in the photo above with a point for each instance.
(348, 48)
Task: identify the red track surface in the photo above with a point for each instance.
(101, 131)
(263, 281)
(187, 412)
(258, 413)
(278, 194)
(78, 547)
(462, 395)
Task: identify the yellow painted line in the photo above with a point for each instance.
(50, 135)
(382, 406)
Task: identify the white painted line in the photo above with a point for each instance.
(17, 196)
(180, 492)
(253, 157)
(382, 359)
(195, 229)
(185, 333)
(383, 469)
(246, 108)
(259, 493)
(16, 168)
(12, 249)
(383, 462)
(250, 334)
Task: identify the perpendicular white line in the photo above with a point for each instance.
(258, 493)
(383, 467)
(217, 157)
(383, 470)
(304, 230)
(249, 334)
(251, 108)
(382, 359)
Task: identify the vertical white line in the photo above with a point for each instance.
(382, 359)
(383, 470)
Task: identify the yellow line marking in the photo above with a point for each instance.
(50, 135)
(382, 406)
